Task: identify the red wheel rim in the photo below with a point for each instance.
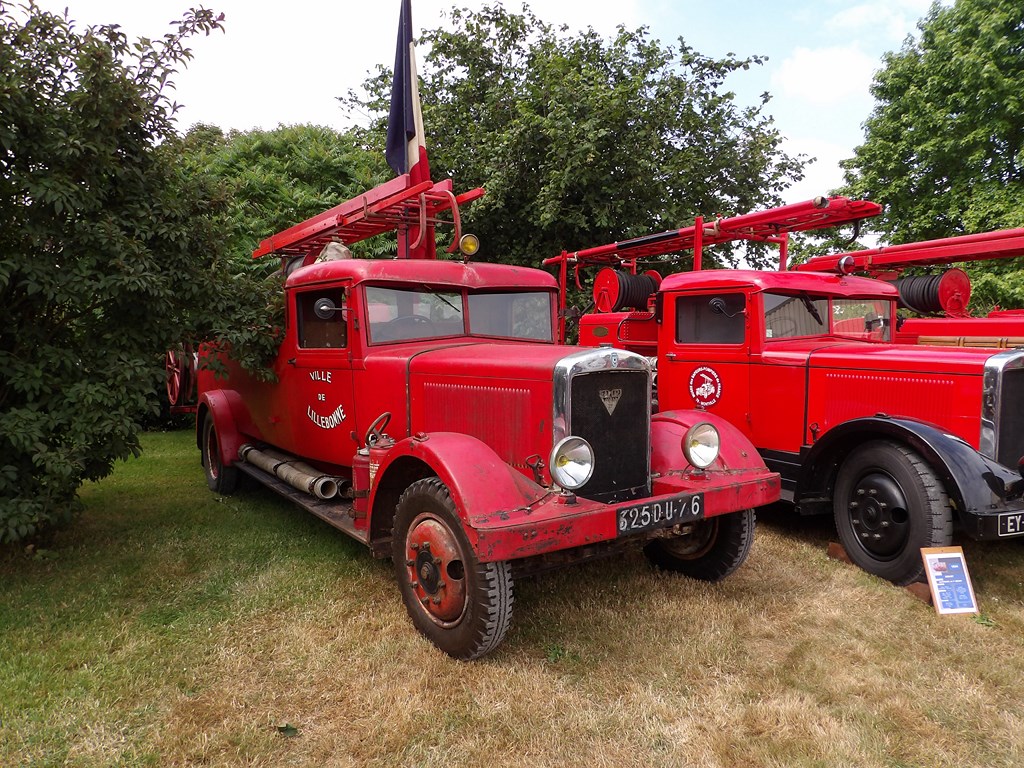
(212, 453)
(436, 570)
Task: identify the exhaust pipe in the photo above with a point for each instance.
(297, 474)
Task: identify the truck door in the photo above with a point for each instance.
(706, 358)
(322, 404)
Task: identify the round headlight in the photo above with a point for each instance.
(700, 445)
(572, 462)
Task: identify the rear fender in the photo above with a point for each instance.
(668, 429)
(225, 406)
(481, 484)
(974, 482)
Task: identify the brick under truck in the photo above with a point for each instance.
(423, 407)
(898, 442)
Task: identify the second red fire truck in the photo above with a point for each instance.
(899, 442)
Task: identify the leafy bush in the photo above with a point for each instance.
(107, 243)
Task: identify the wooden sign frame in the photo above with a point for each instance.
(949, 580)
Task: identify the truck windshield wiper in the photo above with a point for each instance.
(442, 298)
(811, 308)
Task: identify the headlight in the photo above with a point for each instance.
(572, 462)
(700, 446)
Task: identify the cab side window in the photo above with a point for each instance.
(711, 319)
(321, 319)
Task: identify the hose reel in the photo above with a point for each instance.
(615, 290)
(948, 292)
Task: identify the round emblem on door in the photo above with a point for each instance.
(705, 386)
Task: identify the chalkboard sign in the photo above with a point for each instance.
(949, 580)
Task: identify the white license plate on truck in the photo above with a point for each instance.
(660, 514)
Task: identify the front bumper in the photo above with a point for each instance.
(1003, 522)
(551, 524)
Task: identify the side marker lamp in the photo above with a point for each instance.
(469, 245)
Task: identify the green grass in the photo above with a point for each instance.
(170, 626)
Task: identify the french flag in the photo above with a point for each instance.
(406, 150)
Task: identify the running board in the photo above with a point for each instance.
(334, 513)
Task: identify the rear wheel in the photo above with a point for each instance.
(710, 550)
(220, 478)
(888, 504)
(461, 605)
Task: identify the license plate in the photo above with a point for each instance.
(660, 514)
(1011, 524)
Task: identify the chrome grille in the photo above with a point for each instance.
(604, 396)
(1002, 408)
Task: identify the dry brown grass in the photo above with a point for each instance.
(796, 660)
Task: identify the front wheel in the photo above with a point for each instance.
(889, 504)
(222, 479)
(709, 550)
(461, 605)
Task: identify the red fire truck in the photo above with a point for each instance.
(423, 407)
(897, 441)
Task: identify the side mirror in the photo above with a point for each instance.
(717, 306)
(324, 309)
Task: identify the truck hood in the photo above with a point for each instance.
(836, 353)
(504, 361)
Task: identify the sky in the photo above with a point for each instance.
(286, 62)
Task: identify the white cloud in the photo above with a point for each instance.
(822, 175)
(825, 76)
(892, 19)
(286, 63)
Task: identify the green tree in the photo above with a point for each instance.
(581, 140)
(274, 179)
(106, 242)
(268, 181)
(944, 145)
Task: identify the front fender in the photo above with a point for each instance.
(975, 483)
(668, 428)
(482, 485)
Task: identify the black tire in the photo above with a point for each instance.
(889, 503)
(222, 479)
(461, 605)
(711, 550)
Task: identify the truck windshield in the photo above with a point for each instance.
(402, 314)
(790, 315)
(869, 319)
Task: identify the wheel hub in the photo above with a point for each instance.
(695, 541)
(436, 570)
(878, 514)
(428, 572)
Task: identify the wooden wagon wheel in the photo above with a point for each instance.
(176, 368)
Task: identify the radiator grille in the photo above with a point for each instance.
(620, 439)
(500, 416)
(1011, 418)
